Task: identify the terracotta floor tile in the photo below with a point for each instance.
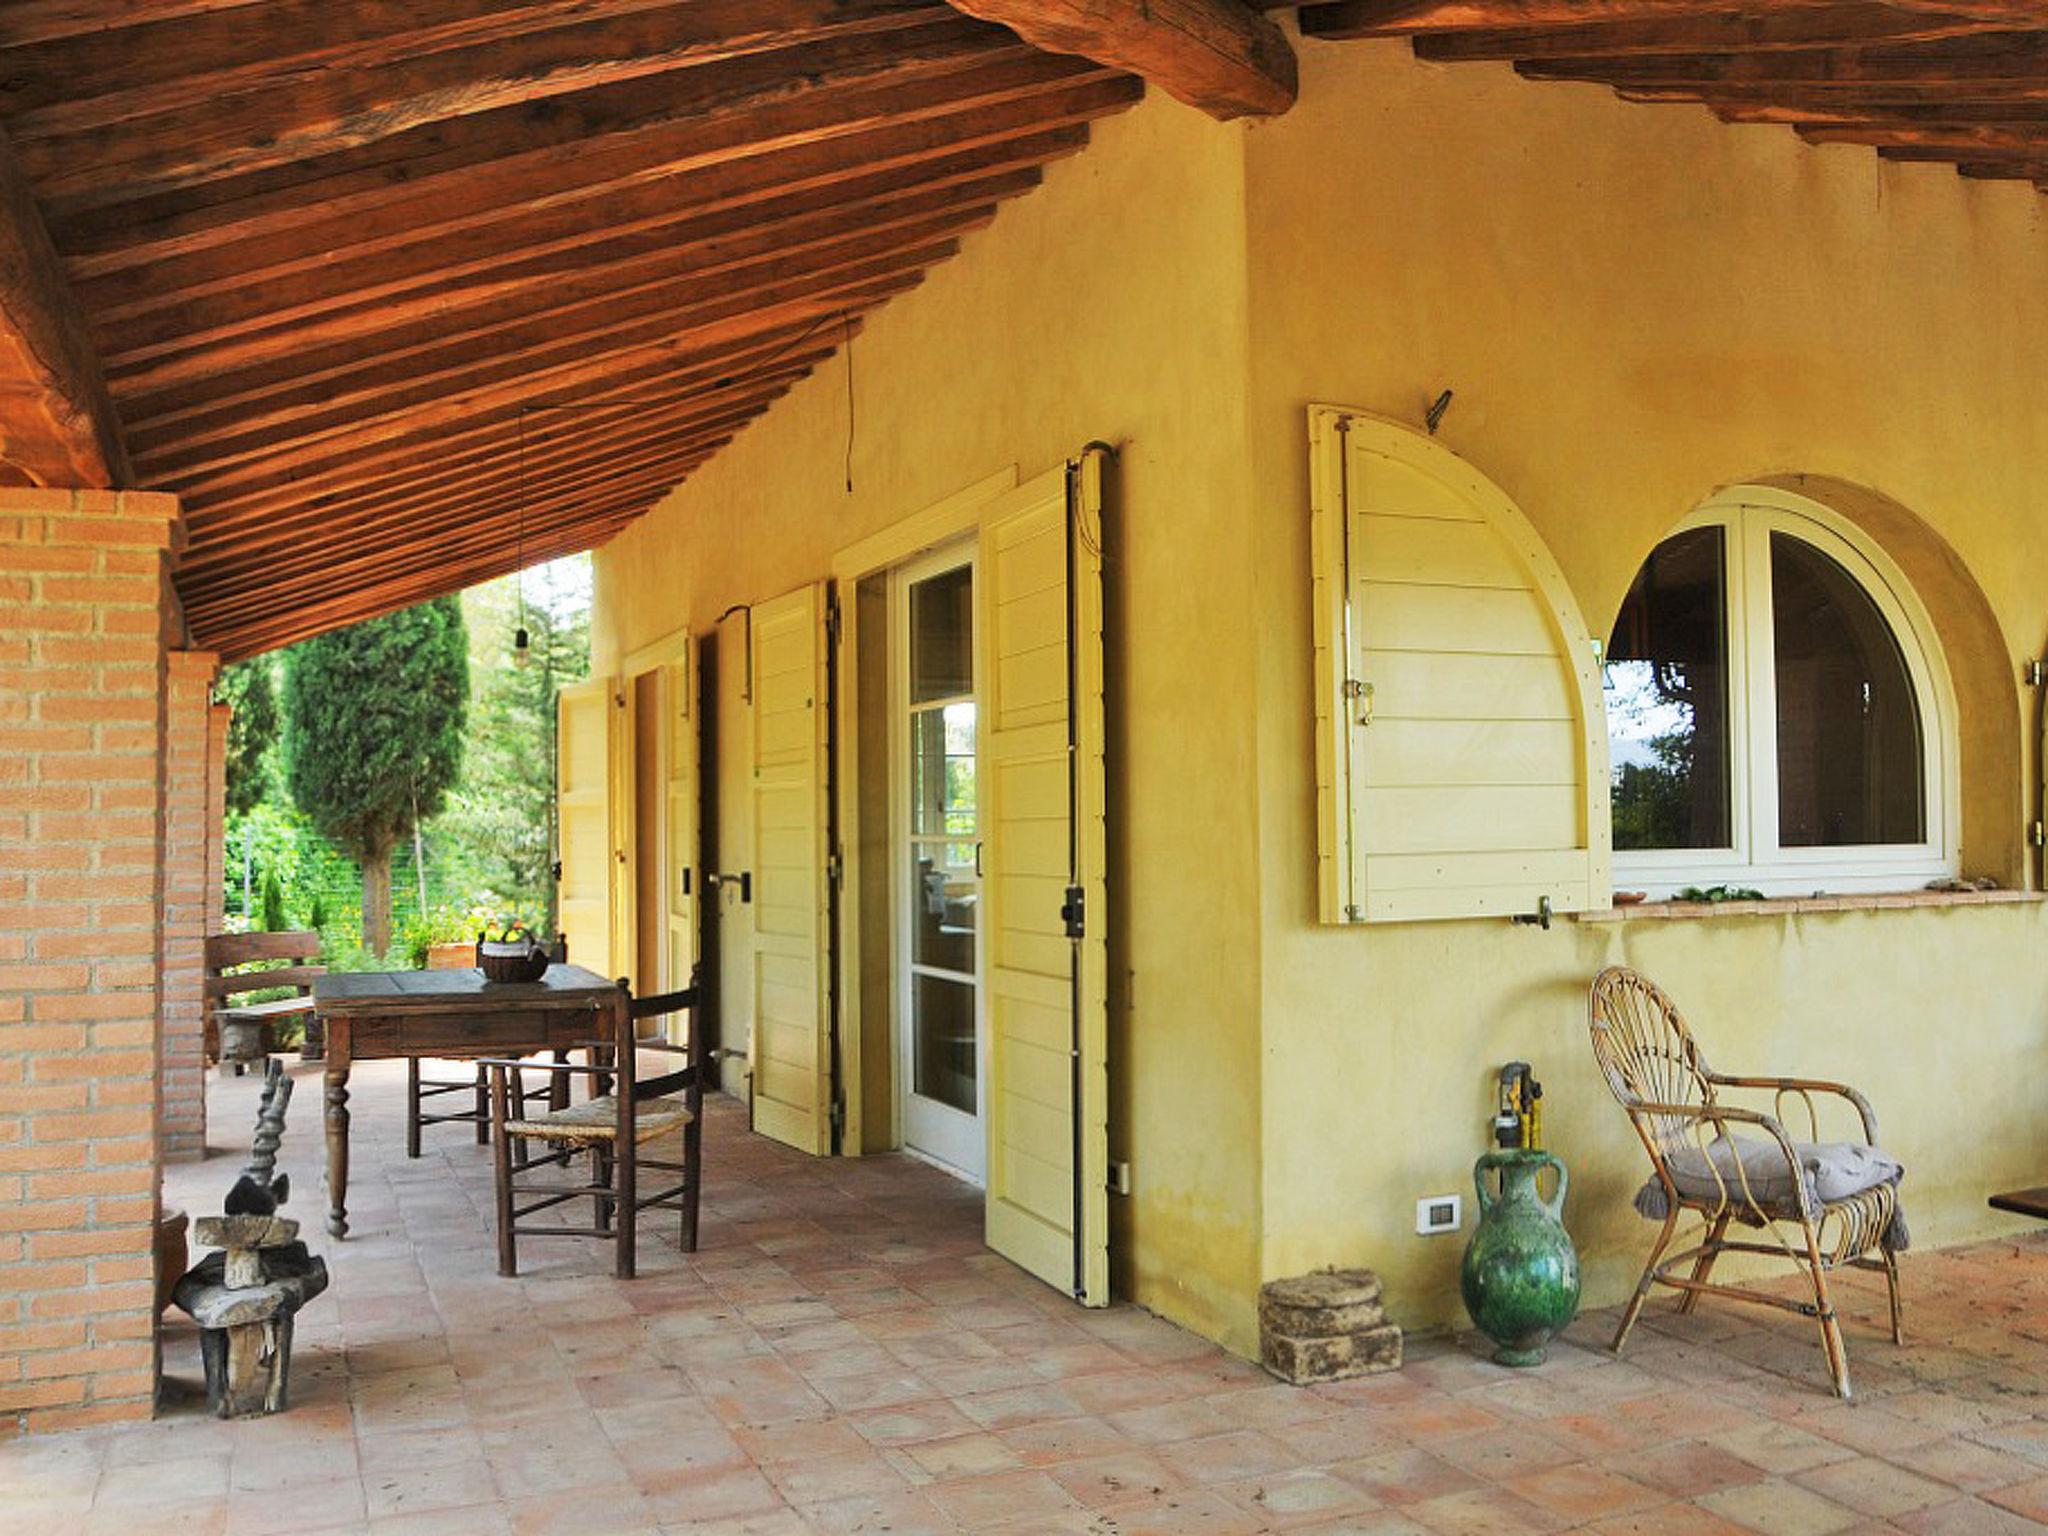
(1405, 1477)
(1875, 1488)
(1482, 1511)
(1581, 1493)
(1780, 1508)
(844, 1355)
(971, 1455)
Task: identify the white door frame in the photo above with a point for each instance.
(935, 1131)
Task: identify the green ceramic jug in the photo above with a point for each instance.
(1521, 1272)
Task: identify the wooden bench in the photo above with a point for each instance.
(240, 1033)
(2023, 1202)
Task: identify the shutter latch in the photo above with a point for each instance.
(1074, 912)
(1360, 693)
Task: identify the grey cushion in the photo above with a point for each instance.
(1832, 1170)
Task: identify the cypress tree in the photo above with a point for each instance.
(373, 736)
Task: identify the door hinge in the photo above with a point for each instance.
(835, 870)
(555, 871)
(1359, 692)
(1074, 912)
(2037, 834)
(2036, 673)
(832, 618)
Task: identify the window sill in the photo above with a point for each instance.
(1780, 906)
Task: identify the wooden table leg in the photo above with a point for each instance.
(337, 1127)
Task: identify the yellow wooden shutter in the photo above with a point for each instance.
(680, 876)
(1040, 579)
(1461, 737)
(792, 1057)
(584, 749)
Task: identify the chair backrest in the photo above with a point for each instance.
(660, 1005)
(1646, 1050)
(225, 951)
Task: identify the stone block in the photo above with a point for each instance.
(1304, 1362)
(1324, 1304)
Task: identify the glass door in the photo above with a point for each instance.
(939, 864)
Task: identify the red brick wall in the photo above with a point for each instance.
(83, 611)
(188, 885)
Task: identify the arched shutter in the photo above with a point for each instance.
(1461, 736)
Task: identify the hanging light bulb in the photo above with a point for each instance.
(522, 648)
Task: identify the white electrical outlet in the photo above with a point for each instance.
(1435, 1214)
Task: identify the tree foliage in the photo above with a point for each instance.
(250, 690)
(374, 719)
(504, 802)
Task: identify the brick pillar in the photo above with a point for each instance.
(84, 609)
(217, 816)
(188, 867)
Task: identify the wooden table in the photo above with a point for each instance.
(447, 1015)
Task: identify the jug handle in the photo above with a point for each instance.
(1555, 1204)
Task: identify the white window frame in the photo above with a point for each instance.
(1748, 516)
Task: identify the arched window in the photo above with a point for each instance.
(1778, 713)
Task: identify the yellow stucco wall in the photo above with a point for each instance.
(1634, 306)
(1637, 305)
(1108, 303)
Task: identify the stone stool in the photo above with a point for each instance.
(1326, 1326)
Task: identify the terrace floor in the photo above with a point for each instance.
(844, 1356)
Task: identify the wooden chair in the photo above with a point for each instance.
(419, 1088)
(623, 1113)
(240, 1033)
(1673, 1099)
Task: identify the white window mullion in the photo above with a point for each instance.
(1759, 716)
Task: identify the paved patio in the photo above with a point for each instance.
(844, 1356)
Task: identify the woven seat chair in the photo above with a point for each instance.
(623, 1112)
(1674, 1100)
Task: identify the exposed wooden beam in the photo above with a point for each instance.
(642, 127)
(511, 447)
(2000, 64)
(831, 305)
(1385, 18)
(457, 235)
(425, 274)
(57, 423)
(657, 262)
(1752, 31)
(1220, 56)
(524, 352)
(318, 474)
(376, 541)
(324, 110)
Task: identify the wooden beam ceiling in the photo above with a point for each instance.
(1961, 82)
(57, 424)
(1221, 56)
(374, 286)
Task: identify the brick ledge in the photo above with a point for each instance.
(1781, 906)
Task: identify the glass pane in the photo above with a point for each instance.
(944, 1036)
(942, 771)
(1666, 676)
(1849, 763)
(942, 636)
(944, 902)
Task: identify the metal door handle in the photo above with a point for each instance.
(744, 880)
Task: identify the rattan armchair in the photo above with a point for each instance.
(1674, 1100)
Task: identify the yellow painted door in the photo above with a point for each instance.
(792, 1060)
(584, 770)
(729, 887)
(679, 820)
(1040, 591)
